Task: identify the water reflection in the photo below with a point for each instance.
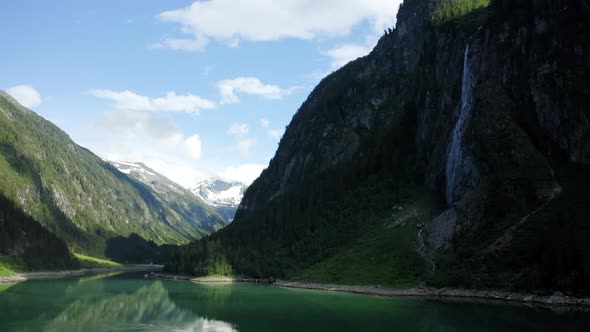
(147, 308)
(4, 287)
(131, 303)
(102, 303)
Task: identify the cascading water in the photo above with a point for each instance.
(460, 167)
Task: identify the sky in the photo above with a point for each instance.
(194, 89)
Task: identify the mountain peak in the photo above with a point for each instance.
(223, 195)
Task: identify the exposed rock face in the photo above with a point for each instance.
(345, 108)
(496, 102)
(531, 102)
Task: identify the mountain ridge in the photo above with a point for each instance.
(224, 196)
(478, 108)
(76, 195)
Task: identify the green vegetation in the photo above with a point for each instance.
(37, 248)
(450, 10)
(203, 258)
(93, 262)
(82, 199)
(327, 208)
(384, 255)
(322, 211)
(11, 266)
(312, 221)
(5, 269)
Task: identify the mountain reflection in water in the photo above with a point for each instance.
(128, 302)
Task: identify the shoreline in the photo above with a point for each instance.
(24, 276)
(208, 279)
(556, 300)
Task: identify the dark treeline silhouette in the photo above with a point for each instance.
(22, 236)
(135, 249)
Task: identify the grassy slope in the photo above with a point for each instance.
(93, 262)
(9, 267)
(5, 271)
(384, 255)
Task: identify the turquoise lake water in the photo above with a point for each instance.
(127, 302)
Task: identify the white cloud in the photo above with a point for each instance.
(26, 95)
(343, 54)
(171, 102)
(187, 175)
(133, 135)
(243, 146)
(238, 129)
(245, 173)
(276, 133)
(264, 123)
(229, 89)
(182, 44)
(230, 21)
(192, 146)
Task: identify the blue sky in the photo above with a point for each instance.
(193, 89)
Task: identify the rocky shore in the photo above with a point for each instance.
(556, 299)
(72, 273)
(12, 279)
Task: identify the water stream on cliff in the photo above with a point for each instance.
(460, 166)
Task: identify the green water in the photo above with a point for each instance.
(130, 303)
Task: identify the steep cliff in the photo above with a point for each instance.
(466, 129)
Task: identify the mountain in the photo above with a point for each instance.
(81, 199)
(224, 196)
(184, 205)
(457, 153)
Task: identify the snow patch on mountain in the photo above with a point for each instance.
(217, 192)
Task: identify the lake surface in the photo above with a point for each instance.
(127, 302)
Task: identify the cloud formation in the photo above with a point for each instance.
(192, 147)
(264, 123)
(343, 54)
(229, 89)
(276, 133)
(230, 21)
(244, 145)
(238, 129)
(245, 173)
(26, 95)
(171, 102)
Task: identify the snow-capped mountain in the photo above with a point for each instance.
(184, 206)
(224, 196)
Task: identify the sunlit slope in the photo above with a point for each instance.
(78, 196)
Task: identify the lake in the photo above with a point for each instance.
(127, 302)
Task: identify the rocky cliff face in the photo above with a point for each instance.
(525, 84)
(356, 102)
(485, 108)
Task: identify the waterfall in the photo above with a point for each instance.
(459, 166)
